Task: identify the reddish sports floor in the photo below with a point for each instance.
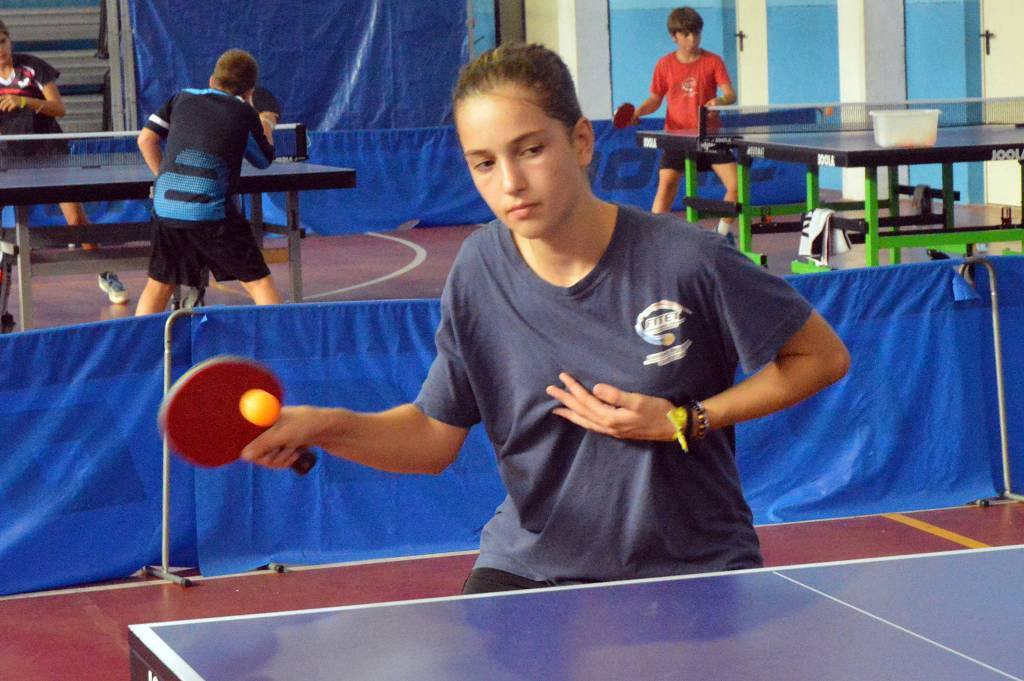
(82, 633)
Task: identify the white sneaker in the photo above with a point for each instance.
(112, 286)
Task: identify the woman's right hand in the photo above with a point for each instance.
(279, 446)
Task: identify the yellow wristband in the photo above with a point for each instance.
(679, 417)
(23, 101)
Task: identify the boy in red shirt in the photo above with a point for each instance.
(689, 77)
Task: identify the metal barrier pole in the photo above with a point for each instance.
(1004, 445)
(164, 571)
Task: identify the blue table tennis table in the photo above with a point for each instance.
(23, 187)
(793, 138)
(956, 615)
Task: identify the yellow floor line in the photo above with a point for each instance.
(937, 531)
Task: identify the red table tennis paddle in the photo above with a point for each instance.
(623, 115)
(202, 417)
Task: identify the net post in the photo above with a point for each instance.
(23, 240)
(301, 143)
(295, 236)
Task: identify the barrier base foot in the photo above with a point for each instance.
(159, 572)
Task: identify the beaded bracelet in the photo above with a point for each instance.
(701, 422)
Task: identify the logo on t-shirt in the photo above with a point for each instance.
(16, 82)
(658, 325)
(689, 86)
(21, 78)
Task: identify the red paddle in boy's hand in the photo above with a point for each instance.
(218, 407)
(624, 115)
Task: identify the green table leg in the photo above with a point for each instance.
(813, 188)
(746, 216)
(804, 267)
(746, 210)
(949, 220)
(894, 205)
(812, 200)
(690, 168)
(947, 195)
(871, 216)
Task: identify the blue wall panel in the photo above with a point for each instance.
(803, 51)
(639, 37)
(485, 26)
(803, 58)
(944, 62)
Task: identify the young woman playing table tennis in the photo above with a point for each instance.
(598, 344)
(30, 103)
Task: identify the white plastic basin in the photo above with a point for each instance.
(905, 127)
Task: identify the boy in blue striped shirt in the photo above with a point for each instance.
(205, 136)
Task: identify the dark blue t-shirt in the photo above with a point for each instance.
(670, 311)
(208, 133)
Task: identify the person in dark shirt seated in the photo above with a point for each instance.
(30, 104)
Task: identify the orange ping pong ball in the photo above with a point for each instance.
(259, 407)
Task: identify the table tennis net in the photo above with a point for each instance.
(853, 116)
(104, 149)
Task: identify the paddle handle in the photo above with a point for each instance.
(305, 462)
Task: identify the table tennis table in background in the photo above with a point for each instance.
(840, 135)
(956, 615)
(108, 167)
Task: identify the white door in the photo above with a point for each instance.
(752, 51)
(1001, 21)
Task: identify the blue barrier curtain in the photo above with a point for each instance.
(914, 425)
(333, 64)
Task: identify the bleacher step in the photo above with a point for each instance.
(84, 113)
(77, 67)
(56, 24)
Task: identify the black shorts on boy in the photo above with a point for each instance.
(226, 249)
(196, 223)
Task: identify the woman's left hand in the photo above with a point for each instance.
(614, 412)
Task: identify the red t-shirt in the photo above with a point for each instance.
(687, 87)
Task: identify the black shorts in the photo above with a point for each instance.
(228, 249)
(672, 159)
